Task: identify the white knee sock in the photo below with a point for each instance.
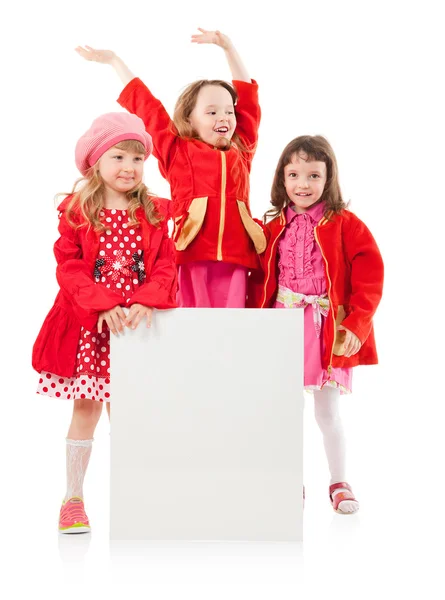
(78, 454)
(327, 415)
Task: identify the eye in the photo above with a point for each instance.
(138, 158)
(211, 112)
(118, 156)
(292, 175)
(230, 112)
(315, 176)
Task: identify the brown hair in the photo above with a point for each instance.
(89, 196)
(187, 102)
(317, 148)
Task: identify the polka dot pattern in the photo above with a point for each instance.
(92, 371)
(75, 388)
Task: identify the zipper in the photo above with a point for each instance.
(222, 216)
(282, 221)
(329, 369)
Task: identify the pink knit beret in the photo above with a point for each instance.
(107, 131)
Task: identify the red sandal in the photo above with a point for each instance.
(335, 501)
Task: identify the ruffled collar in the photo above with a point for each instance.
(315, 212)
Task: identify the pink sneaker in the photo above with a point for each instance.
(72, 517)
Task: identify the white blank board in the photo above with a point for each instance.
(206, 426)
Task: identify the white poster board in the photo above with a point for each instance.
(206, 426)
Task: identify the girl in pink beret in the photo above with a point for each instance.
(113, 252)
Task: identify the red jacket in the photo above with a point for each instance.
(209, 187)
(354, 276)
(80, 299)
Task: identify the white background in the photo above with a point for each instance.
(368, 76)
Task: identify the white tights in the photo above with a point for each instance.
(327, 415)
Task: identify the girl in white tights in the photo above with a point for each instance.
(323, 259)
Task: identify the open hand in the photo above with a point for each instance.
(114, 318)
(138, 312)
(352, 342)
(211, 37)
(101, 56)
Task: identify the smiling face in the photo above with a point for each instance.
(213, 116)
(121, 170)
(304, 181)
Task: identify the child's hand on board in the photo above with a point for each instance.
(137, 312)
(101, 56)
(352, 342)
(211, 37)
(114, 318)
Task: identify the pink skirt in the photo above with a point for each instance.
(314, 374)
(209, 284)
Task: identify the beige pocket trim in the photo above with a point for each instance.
(339, 340)
(193, 223)
(254, 230)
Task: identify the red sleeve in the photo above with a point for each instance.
(248, 113)
(76, 280)
(366, 279)
(159, 290)
(137, 99)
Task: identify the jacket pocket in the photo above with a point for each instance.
(339, 339)
(254, 230)
(188, 225)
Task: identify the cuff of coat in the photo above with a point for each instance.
(87, 319)
(352, 324)
(154, 295)
(132, 87)
(245, 89)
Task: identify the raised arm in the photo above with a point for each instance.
(107, 57)
(248, 113)
(137, 99)
(237, 68)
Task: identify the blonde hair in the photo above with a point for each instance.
(89, 197)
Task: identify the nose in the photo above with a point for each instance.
(303, 183)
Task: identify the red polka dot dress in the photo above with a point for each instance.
(119, 266)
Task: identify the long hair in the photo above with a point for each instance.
(187, 102)
(315, 148)
(89, 197)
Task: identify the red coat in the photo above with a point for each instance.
(80, 299)
(209, 187)
(354, 276)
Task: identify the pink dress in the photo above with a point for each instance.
(209, 284)
(301, 271)
(119, 266)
